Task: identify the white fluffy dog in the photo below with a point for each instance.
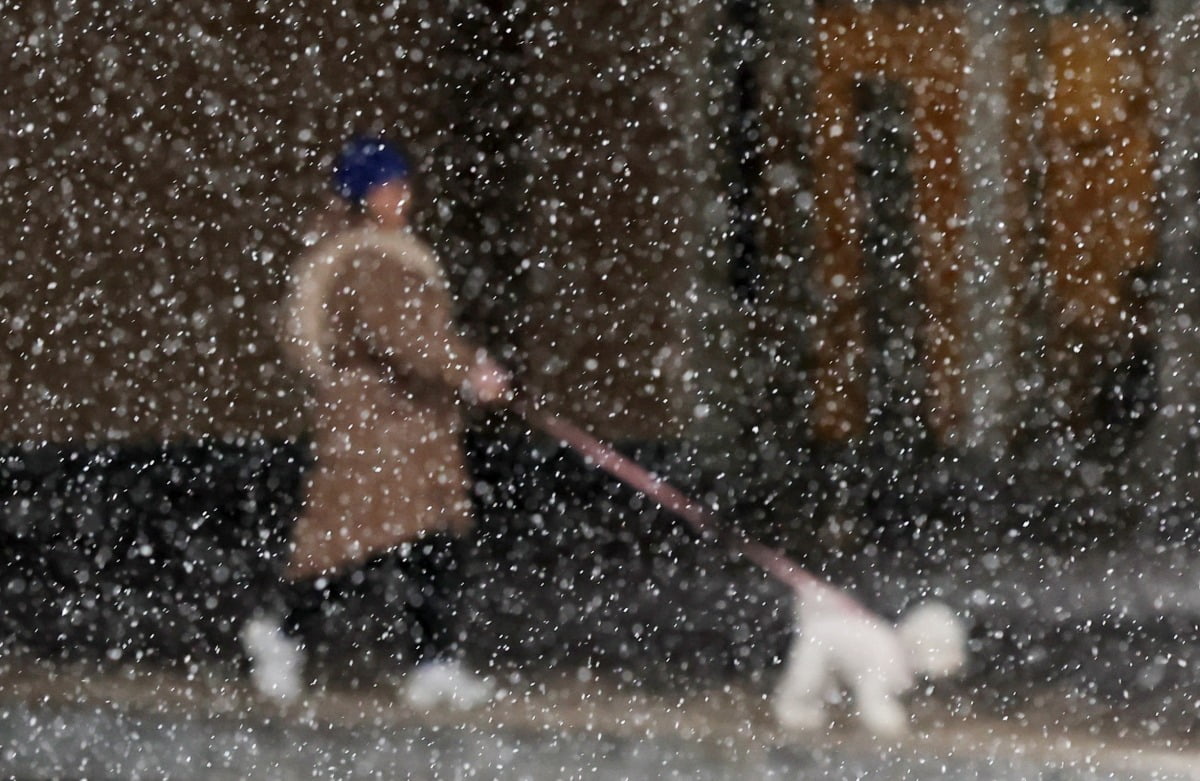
(838, 644)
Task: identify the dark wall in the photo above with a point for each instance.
(161, 161)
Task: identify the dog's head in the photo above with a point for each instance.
(936, 639)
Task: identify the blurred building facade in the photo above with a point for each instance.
(968, 226)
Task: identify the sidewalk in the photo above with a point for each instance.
(133, 722)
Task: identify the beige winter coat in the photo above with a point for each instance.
(368, 318)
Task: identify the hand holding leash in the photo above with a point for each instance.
(491, 383)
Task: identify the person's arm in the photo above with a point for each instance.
(405, 318)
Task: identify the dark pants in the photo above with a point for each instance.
(521, 599)
(407, 601)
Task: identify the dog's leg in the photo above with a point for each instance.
(799, 700)
(879, 708)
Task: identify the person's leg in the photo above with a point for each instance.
(276, 659)
(434, 567)
(363, 609)
(438, 567)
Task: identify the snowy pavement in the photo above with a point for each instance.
(133, 722)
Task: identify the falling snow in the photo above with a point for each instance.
(629, 422)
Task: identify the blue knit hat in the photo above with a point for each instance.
(366, 162)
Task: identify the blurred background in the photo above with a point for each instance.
(874, 277)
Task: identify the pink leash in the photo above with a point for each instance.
(631, 473)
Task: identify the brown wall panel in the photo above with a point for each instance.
(160, 163)
(617, 226)
(921, 48)
(1098, 200)
(1099, 188)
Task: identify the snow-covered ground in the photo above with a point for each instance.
(146, 722)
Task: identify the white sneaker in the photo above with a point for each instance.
(276, 661)
(447, 682)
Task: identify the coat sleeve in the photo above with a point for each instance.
(404, 318)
